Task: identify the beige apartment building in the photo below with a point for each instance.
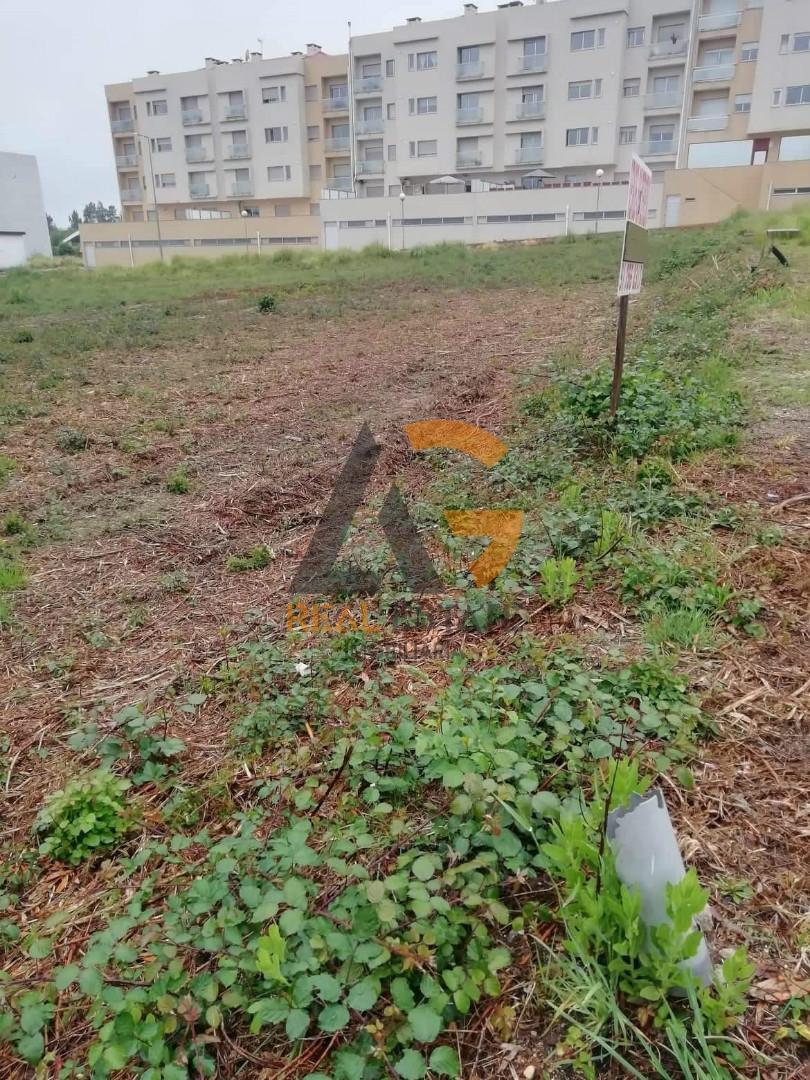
(533, 111)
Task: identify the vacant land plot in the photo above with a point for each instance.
(232, 850)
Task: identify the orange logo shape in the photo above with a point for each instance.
(502, 526)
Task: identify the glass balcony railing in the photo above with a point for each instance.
(707, 123)
(468, 159)
(664, 50)
(664, 100)
(192, 116)
(713, 73)
(199, 191)
(726, 20)
(198, 153)
(336, 104)
(530, 110)
(471, 69)
(237, 150)
(529, 155)
(368, 127)
(241, 187)
(339, 183)
(131, 195)
(659, 147)
(470, 116)
(337, 146)
(126, 161)
(373, 84)
(533, 62)
(121, 127)
(235, 112)
(375, 167)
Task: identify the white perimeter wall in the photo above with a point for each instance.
(356, 223)
(21, 205)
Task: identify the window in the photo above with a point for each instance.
(278, 173)
(275, 134)
(710, 155)
(535, 46)
(749, 51)
(777, 97)
(157, 107)
(587, 89)
(371, 69)
(313, 133)
(712, 57)
(314, 172)
(801, 42)
(424, 148)
(311, 92)
(250, 211)
(666, 84)
(797, 95)
(581, 136)
(469, 54)
(372, 112)
(389, 69)
(662, 134)
(533, 95)
(394, 189)
(282, 209)
(635, 37)
(422, 106)
(392, 152)
(160, 146)
(742, 103)
(795, 148)
(166, 179)
(391, 110)
(338, 92)
(631, 88)
(587, 39)
(422, 61)
(627, 135)
(784, 42)
(273, 94)
(531, 139)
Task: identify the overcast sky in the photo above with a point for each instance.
(56, 56)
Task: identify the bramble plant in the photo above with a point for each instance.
(87, 817)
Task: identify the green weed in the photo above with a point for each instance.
(256, 559)
(87, 817)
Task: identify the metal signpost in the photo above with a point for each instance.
(631, 271)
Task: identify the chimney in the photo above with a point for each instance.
(210, 61)
(414, 19)
(256, 56)
(297, 52)
(312, 49)
(470, 9)
(153, 73)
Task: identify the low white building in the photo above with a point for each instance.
(23, 223)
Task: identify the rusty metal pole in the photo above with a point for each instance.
(618, 365)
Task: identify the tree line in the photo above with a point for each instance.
(92, 213)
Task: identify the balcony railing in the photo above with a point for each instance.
(237, 150)
(339, 183)
(336, 104)
(661, 148)
(707, 123)
(192, 116)
(368, 127)
(121, 127)
(371, 85)
(724, 21)
(198, 153)
(199, 191)
(242, 187)
(529, 155)
(664, 100)
(472, 69)
(336, 146)
(470, 116)
(375, 167)
(713, 73)
(533, 62)
(661, 50)
(126, 161)
(469, 159)
(531, 110)
(131, 195)
(235, 112)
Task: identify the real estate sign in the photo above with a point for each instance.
(634, 249)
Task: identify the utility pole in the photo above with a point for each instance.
(154, 190)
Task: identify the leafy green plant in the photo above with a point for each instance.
(178, 482)
(686, 628)
(256, 559)
(7, 467)
(559, 580)
(267, 303)
(87, 817)
(137, 740)
(72, 441)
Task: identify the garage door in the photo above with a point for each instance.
(12, 249)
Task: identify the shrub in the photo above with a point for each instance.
(86, 817)
(255, 559)
(22, 337)
(72, 441)
(267, 303)
(178, 482)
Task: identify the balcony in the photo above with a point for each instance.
(336, 146)
(192, 116)
(726, 20)
(131, 195)
(199, 191)
(371, 85)
(375, 167)
(198, 153)
(472, 69)
(336, 105)
(662, 102)
(339, 183)
(713, 73)
(531, 110)
(669, 50)
(126, 161)
(368, 127)
(241, 188)
(470, 116)
(707, 123)
(237, 150)
(471, 159)
(536, 62)
(121, 127)
(659, 148)
(529, 155)
(235, 112)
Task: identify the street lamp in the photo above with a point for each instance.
(402, 216)
(599, 174)
(154, 190)
(245, 215)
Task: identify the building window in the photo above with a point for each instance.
(161, 146)
(581, 136)
(250, 211)
(424, 148)
(469, 54)
(422, 106)
(535, 46)
(777, 97)
(273, 94)
(797, 95)
(742, 103)
(391, 110)
(587, 39)
(801, 42)
(313, 133)
(282, 209)
(314, 172)
(278, 173)
(586, 89)
(422, 61)
(389, 69)
(663, 134)
(666, 84)
(157, 107)
(635, 37)
(795, 148)
(784, 43)
(749, 51)
(338, 92)
(372, 69)
(166, 179)
(627, 135)
(712, 57)
(276, 134)
(631, 88)
(311, 92)
(392, 152)
(394, 189)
